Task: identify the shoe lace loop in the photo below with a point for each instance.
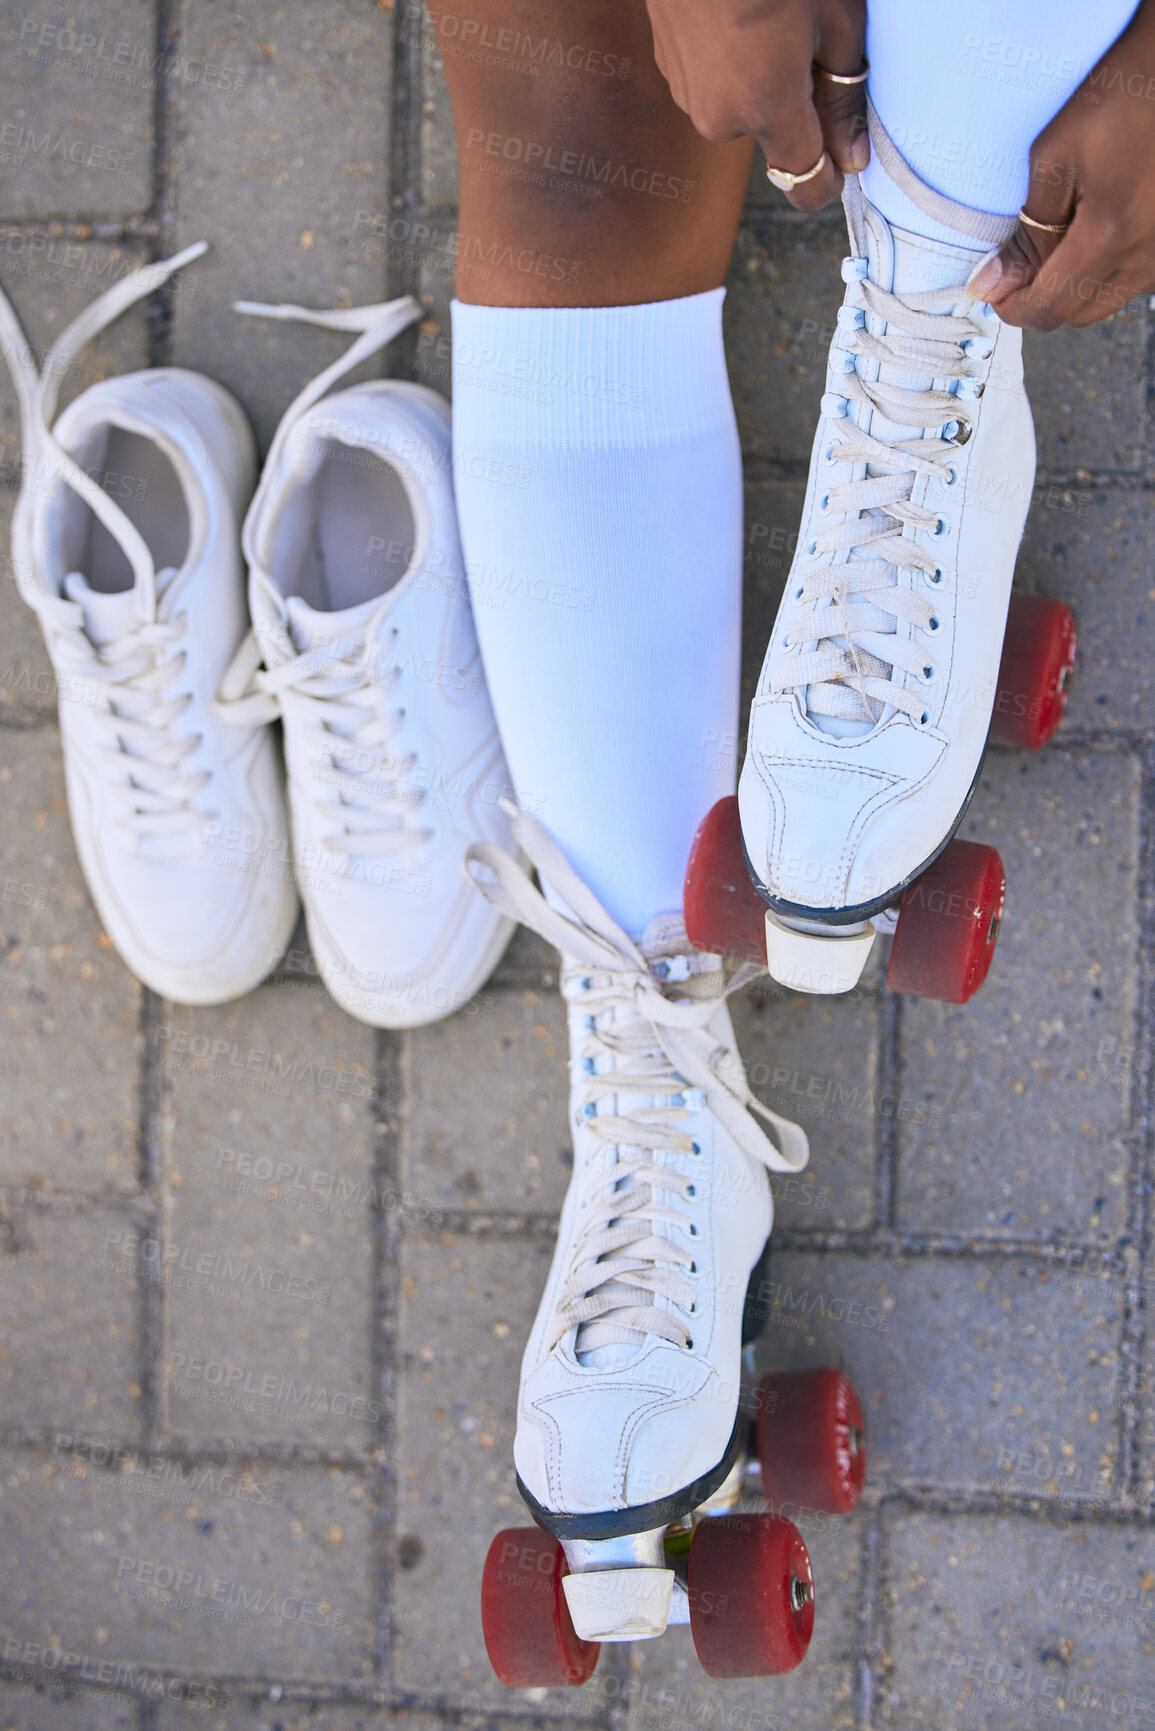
(644, 1037)
(843, 649)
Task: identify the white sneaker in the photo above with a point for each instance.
(628, 1404)
(871, 715)
(361, 617)
(126, 543)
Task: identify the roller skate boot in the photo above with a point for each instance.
(632, 1435)
(887, 660)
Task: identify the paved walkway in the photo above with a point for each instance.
(266, 1276)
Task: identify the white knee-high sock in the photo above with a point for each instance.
(598, 478)
(963, 92)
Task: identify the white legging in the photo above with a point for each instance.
(599, 477)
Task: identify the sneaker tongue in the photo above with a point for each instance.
(340, 633)
(106, 617)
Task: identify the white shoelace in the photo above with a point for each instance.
(847, 609)
(132, 680)
(656, 1044)
(346, 704)
(349, 713)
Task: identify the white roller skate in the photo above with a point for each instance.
(629, 1413)
(876, 695)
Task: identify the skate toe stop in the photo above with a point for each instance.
(809, 962)
(619, 1604)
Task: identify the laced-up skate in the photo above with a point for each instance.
(883, 672)
(629, 1422)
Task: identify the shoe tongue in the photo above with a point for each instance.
(108, 616)
(921, 264)
(341, 634)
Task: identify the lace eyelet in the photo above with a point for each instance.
(693, 1270)
(812, 549)
(924, 719)
(824, 502)
(828, 454)
(800, 592)
(696, 1147)
(691, 1190)
(693, 1230)
(941, 528)
(953, 472)
(928, 674)
(933, 625)
(934, 578)
(690, 1346)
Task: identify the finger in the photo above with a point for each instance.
(792, 141)
(842, 107)
(1013, 267)
(1066, 284)
(1051, 204)
(841, 110)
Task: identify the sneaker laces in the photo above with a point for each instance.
(127, 679)
(656, 1042)
(38, 393)
(342, 700)
(842, 646)
(348, 712)
(135, 714)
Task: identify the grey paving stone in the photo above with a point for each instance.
(529, 961)
(220, 1585)
(70, 1064)
(1010, 1623)
(1093, 550)
(284, 174)
(1143, 1403)
(972, 1375)
(466, 1309)
(814, 1060)
(667, 1690)
(1088, 390)
(771, 517)
(1031, 1078)
(73, 1707)
(783, 291)
(438, 134)
(267, 1260)
(71, 1358)
(76, 94)
(270, 1712)
(50, 279)
(487, 1106)
(27, 682)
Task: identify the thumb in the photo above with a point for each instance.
(1011, 266)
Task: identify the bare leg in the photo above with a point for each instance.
(533, 150)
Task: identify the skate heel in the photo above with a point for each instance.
(619, 1604)
(825, 962)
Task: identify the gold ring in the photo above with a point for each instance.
(1046, 227)
(841, 77)
(786, 182)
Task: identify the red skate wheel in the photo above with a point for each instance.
(1038, 655)
(751, 1595)
(811, 1441)
(724, 914)
(529, 1636)
(948, 923)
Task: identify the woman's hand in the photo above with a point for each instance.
(1091, 168)
(746, 66)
